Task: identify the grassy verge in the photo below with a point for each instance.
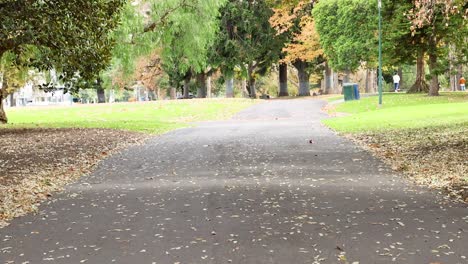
(333, 98)
(401, 111)
(153, 117)
(424, 137)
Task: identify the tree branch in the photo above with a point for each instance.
(162, 20)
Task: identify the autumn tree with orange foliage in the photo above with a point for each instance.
(294, 19)
(148, 70)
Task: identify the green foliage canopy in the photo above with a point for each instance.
(70, 36)
(348, 32)
(188, 29)
(246, 37)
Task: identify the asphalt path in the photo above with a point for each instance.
(271, 185)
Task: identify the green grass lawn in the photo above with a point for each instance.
(401, 111)
(152, 117)
(334, 98)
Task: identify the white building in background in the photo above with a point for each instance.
(29, 95)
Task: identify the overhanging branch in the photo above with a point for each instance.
(162, 20)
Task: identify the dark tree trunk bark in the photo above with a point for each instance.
(252, 87)
(303, 74)
(230, 88)
(420, 84)
(12, 100)
(101, 95)
(283, 80)
(434, 87)
(187, 79)
(201, 83)
(327, 76)
(100, 92)
(3, 93)
(252, 81)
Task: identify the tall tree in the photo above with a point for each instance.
(445, 22)
(69, 36)
(347, 30)
(403, 46)
(247, 41)
(187, 29)
(293, 19)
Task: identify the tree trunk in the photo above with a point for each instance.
(100, 91)
(303, 74)
(327, 80)
(368, 78)
(252, 81)
(3, 94)
(208, 86)
(402, 78)
(101, 95)
(187, 79)
(3, 117)
(245, 91)
(453, 82)
(374, 87)
(173, 93)
(201, 84)
(434, 87)
(252, 88)
(420, 84)
(283, 80)
(459, 75)
(158, 93)
(12, 100)
(230, 88)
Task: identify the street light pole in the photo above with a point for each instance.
(380, 53)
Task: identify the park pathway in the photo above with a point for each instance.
(249, 190)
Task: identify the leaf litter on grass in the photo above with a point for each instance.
(435, 156)
(35, 163)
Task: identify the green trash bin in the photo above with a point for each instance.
(348, 91)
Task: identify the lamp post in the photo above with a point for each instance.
(380, 53)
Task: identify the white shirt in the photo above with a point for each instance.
(396, 78)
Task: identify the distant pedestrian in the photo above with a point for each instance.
(462, 84)
(396, 82)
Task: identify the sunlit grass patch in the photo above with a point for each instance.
(401, 111)
(152, 117)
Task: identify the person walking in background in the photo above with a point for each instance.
(462, 83)
(396, 82)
